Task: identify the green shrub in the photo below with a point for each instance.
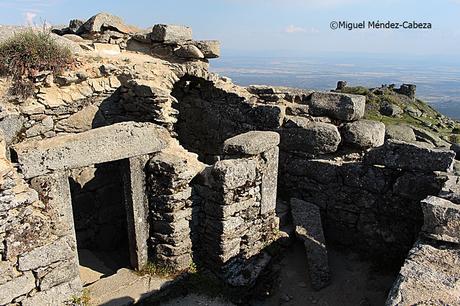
(26, 54)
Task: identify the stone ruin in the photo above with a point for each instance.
(145, 156)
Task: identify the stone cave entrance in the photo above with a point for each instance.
(100, 218)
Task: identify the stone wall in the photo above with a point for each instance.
(208, 114)
(38, 263)
(237, 196)
(373, 209)
(430, 274)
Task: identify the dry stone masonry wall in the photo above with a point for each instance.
(210, 171)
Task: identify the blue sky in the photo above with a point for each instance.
(272, 26)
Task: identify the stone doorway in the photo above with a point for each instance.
(100, 219)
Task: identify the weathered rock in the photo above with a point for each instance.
(209, 48)
(104, 21)
(429, 276)
(17, 287)
(233, 173)
(269, 181)
(314, 138)
(74, 38)
(336, 105)
(11, 125)
(251, 143)
(122, 140)
(297, 122)
(56, 295)
(58, 250)
(307, 219)
(81, 121)
(364, 133)
(341, 85)
(451, 189)
(171, 33)
(267, 116)
(107, 49)
(189, 51)
(74, 25)
(395, 154)
(400, 132)
(429, 137)
(391, 110)
(441, 219)
(63, 273)
(71, 45)
(412, 111)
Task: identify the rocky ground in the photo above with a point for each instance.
(354, 282)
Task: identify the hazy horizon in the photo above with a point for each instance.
(438, 81)
(265, 26)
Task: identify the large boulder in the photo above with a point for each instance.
(210, 48)
(104, 21)
(313, 138)
(169, 33)
(441, 219)
(251, 143)
(189, 51)
(401, 155)
(364, 133)
(400, 132)
(337, 105)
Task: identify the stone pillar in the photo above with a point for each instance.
(170, 203)
(239, 199)
(136, 203)
(56, 263)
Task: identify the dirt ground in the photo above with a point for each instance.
(354, 283)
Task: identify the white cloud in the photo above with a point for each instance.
(29, 18)
(295, 29)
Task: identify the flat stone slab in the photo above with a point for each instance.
(441, 219)
(251, 143)
(126, 287)
(110, 143)
(171, 33)
(401, 155)
(307, 220)
(429, 276)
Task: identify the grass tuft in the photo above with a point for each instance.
(26, 54)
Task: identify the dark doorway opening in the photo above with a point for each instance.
(100, 220)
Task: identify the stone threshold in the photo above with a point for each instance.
(126, 287)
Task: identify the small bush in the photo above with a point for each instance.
(26, 54)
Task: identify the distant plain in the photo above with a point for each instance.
(437, 79)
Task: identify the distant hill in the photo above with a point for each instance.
(398, 106)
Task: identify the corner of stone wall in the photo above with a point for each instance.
(238, 203)
(173, 215)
